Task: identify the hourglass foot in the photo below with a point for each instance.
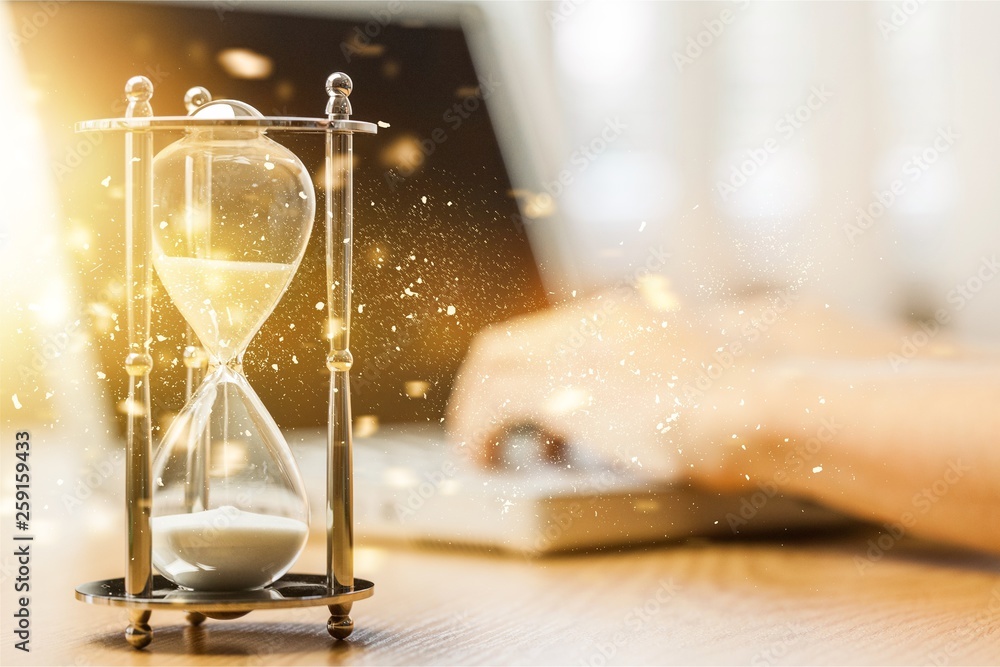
(195, 618)
(138, 633)
(340, 625)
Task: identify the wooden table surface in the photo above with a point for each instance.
(757, 603)
(831, 599)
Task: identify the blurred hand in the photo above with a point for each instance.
(772, 390)
(632, 375)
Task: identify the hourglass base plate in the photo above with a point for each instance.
(292, 590)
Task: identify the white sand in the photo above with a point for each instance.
(225, 549)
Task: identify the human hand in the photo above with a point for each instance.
(770, 390)
(634, 376)
(630, 376)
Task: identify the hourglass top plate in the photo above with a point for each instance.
(272, 123)
(292, 590)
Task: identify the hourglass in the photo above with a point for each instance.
(233, 213)
(224, 216)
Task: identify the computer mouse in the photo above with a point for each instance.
(527, 446)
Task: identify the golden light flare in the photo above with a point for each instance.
(53, 307)
(228, 458)
(320, 174)
(467, 91)
(565, 400)
(131, 407)
(104, 317)
(331, 326)
(534, 205)
(366, 49)
(166, 419)
(365, 426)
(79, 237)
(403, 153)
(655, 290)
(417, 388)
(400, 477)
(245, 64)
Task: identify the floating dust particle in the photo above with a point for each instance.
(17, 403)
(106, 182)
(818, 469)
(423, 200)
(451, 310)
(319, 305)
(383, 124)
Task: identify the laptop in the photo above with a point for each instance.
(442, 217)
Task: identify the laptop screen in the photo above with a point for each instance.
(438, 250)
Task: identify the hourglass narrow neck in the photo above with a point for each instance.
(225, 301)
(233, 362)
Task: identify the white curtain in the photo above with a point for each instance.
(847, 148)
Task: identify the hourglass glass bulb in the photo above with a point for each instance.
(234, 211)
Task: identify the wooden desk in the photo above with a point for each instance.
(757, 603)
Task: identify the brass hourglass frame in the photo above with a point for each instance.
(140, 591)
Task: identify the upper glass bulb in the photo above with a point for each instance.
(233, 211)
